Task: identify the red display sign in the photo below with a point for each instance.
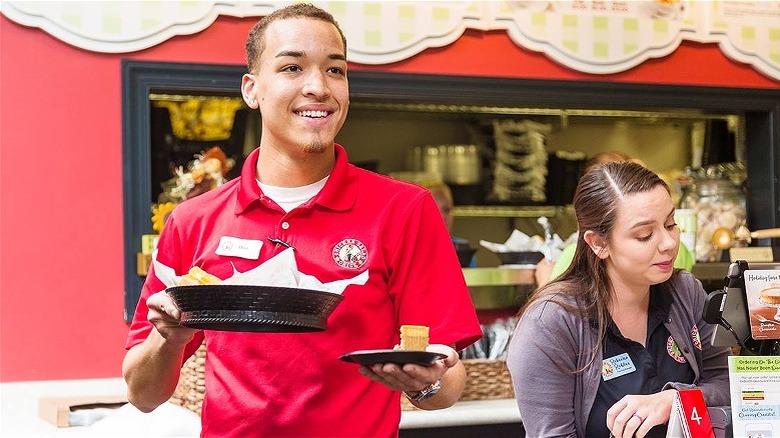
(689, 417)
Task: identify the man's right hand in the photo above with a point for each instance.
(166, 317)
(151, 368)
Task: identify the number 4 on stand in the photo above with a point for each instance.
(689, 417)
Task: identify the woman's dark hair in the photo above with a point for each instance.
(596, 200)
(255, 42)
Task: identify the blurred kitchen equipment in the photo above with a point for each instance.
(725, 238)
(499, 288)
(743, 234)
(428, 159)
(520, 168)
(719, 142)
(563, 172)
(465, 253)
(415, 176)
(687, 223)
(519, 250)
(455, 164)
(520, 258)
(458, 165)
(494, 342)
(549, 242)
(463, 164)
(719, 203)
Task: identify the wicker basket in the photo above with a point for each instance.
(486, 379)
(192, 382)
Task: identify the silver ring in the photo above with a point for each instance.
(641, 420)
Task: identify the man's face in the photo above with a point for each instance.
(300, 86)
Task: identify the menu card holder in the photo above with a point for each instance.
(689, 417)
(755, 395)
(762, 287)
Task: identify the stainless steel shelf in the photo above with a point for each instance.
(477, 277)
(508, 211)
(499, 288)
(163, 97)
(556, 112)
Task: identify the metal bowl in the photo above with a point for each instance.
(519, 258)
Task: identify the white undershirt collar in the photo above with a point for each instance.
(291, 197)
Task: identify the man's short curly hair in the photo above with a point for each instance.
(255, 43)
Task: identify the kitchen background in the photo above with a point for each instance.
(467, 147)
(664, 143)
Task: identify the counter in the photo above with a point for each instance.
(19, 402)
(493, 418)
(464, 413)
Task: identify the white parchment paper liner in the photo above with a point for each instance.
(278, 271)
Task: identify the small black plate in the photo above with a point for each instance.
(400, 357)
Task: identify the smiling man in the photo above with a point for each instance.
(297, 189)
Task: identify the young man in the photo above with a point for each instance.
(298, 187)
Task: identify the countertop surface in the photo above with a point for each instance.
(20, 417)
(464, 413)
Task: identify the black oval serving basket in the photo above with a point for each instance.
(253, 308)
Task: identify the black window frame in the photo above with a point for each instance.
(760, 107)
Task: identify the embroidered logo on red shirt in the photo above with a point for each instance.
(695, 337)
(674, 350)
(350, 254)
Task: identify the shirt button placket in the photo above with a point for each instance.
(285, 225)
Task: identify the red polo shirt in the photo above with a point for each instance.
(276, 384)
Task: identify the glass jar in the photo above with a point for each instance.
(718, 203)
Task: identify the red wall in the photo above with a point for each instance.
(61, 280)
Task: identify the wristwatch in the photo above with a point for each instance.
(426, 393)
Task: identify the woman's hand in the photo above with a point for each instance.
(635, 415)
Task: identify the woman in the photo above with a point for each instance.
(603, 348)
(547, 270)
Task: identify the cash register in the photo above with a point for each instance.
(729, 309)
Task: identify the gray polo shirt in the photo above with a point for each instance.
(631, 368)
(556, 370)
